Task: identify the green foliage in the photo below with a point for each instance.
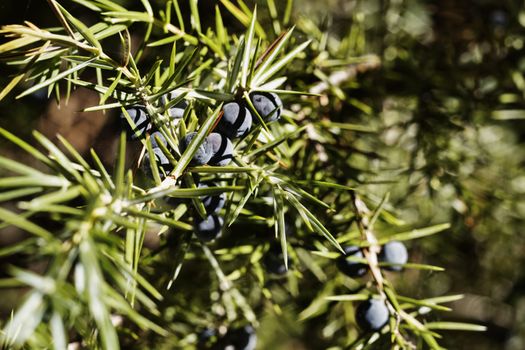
(307, 182)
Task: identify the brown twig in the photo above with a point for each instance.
(372, 251)
(362, 219)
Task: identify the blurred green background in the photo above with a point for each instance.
(449, 99)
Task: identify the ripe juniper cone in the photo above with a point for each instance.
(204, 152)
(236, 120)
(176, 111)
(160, 157)
(161, 160)
(157, 135)
(273, 260)
(243, 338)
(213, 204)
(222, 149)
(141, 120)
(349, 267)
(371, 315)
(208, 229)
(394, 252)
(267, 104)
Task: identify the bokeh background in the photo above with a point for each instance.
(449, 101)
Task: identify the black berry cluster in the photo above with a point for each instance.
(373, 314)
(217, 148)
(236, 121)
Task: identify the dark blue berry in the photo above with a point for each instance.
(268, 105)
(209, 228)
(204, 152)
(160, 157)
(141, 120)
(349, 267)
(162, 162)
(153, 139)
(394, 252)
(176, 111)
(213, 204)
(236, 120)
(371, 315)
(222, 149)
